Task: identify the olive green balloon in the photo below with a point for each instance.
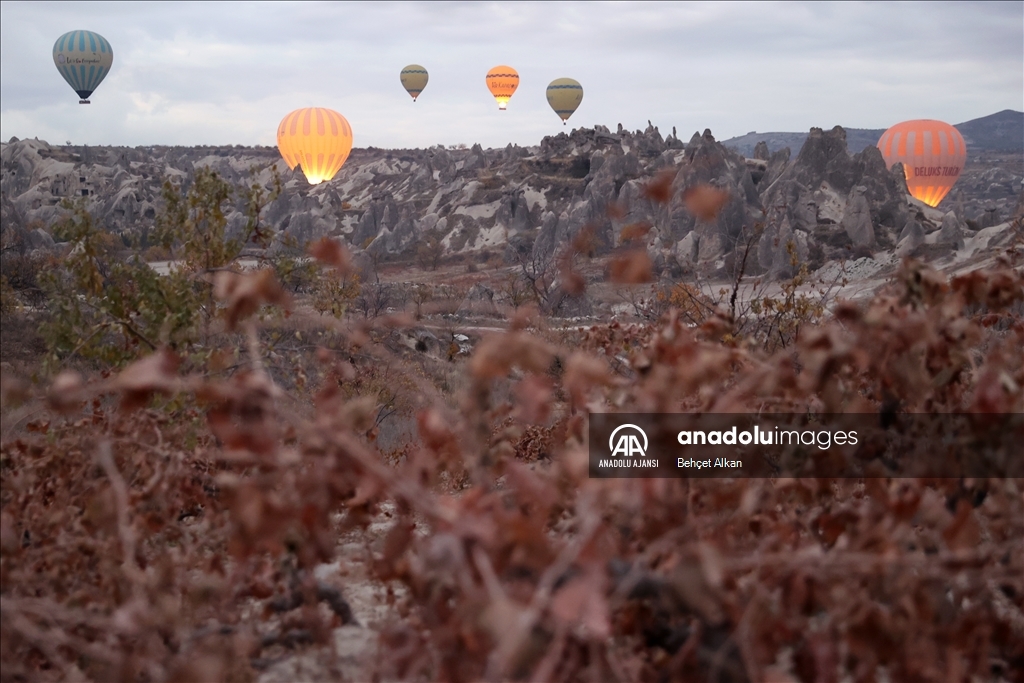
(564, 96)
(414, 80)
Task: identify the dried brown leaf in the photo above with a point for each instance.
(8, 536)
(396, 542)
(963, 533)
(712, 563)
(660, 188)
(635, 232)
(775, 674)
(243, 294)
(533, 397)
(582, 372)
(496, 355)
(65, 394)
(922, 283)
(13, 390)
(691, 586)
(581, 603)
(434, 429)
(524, 317)
(203, 667)
(584, 242)
(154, 374)
(631, 268)
(616, 210)
(572, 282)
(995, 392)
(220, 360)
(705, 201)
(330, 252)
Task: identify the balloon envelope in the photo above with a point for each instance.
(932, 153)
(83, 58)
(502, 81)
(564, 96)
(414, 79)
(319, 140)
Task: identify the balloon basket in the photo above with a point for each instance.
(84, 102)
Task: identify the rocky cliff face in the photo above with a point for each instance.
(827, 203)
(526, 202)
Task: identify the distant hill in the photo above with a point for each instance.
(856, 140)
(1000, 132)
(1003, 132)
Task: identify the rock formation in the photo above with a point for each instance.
(529, 202)
(826, 188)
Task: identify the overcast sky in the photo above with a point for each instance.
(210, 73)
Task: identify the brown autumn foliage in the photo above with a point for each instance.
(167, 525)
(173, 537)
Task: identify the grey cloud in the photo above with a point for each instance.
(187, 73)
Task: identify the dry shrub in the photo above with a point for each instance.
(177, 541)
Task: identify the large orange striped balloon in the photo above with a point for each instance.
(317, 139)
(932, 153)
(502, 81)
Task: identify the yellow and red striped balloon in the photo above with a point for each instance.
(932, 153)
(502, 81)
(319, 140)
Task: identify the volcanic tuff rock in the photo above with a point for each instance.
(911, 237)
(951, 232)
(823, 189)
(989, 186)
(528, 202)
(858, 139)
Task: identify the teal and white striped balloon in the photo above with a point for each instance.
(83, 58)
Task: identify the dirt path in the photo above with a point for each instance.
(356, 650)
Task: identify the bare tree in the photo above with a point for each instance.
(535, 271)
(375, 297)
(515, 288)
(430, 252)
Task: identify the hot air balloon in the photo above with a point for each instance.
(932, 153)
(317, 139)
(83, 58)
(502, 81)
(414, 79)
(564, 96)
